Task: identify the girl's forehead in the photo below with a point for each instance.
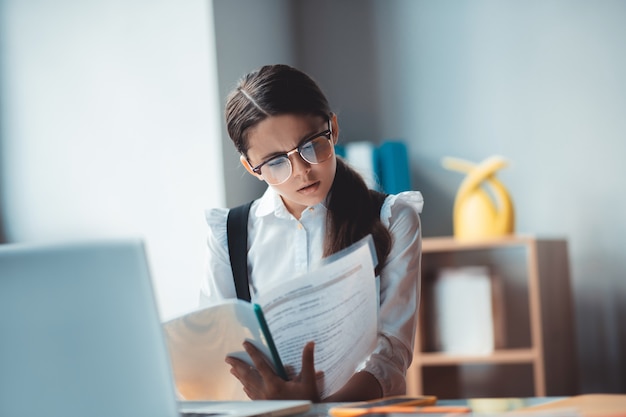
(277, 132)
(287, 122)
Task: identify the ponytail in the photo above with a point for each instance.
(353, 213)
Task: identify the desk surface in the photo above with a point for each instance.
(477, 405)
(588, 405)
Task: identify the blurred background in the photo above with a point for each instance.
(111, 122)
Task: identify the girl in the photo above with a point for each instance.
(315, 205)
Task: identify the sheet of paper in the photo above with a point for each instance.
(335, 306)
(200, 341)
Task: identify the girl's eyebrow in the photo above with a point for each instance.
(302, 140)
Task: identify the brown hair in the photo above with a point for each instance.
(272, 90)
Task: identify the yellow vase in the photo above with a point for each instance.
(476, 215)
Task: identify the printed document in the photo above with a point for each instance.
(335, 305)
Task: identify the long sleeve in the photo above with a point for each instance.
(218, 283)
(399, 293)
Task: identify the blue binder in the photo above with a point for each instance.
(391, 163)
(395, 175)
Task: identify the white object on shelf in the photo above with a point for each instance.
(464, 311)
(362, 156)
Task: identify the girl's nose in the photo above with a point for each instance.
(300, 166)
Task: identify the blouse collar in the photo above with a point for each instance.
(271, 203)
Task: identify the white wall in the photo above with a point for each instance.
(248, 34)
(110, 127)
(542, 83)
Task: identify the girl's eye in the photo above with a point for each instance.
(276, 162)
(307, 145)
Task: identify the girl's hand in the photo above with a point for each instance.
(261, 383)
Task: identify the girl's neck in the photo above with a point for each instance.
(295, 209)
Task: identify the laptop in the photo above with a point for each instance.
(80, 335)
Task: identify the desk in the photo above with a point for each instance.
(480, 405)
(589, 405)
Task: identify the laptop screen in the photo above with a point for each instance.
(80, 333)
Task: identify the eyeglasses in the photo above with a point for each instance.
(315, 149)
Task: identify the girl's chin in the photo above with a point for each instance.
(301, 202)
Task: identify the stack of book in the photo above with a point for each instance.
(385, 167)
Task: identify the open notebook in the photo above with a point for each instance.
(80, 335)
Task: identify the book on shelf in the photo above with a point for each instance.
(335, 305)
(393, 166)
(384, 168)
(467, 318)
(362, 156)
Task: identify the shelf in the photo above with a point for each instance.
(447, 244)
(498, 356)
(535, 345)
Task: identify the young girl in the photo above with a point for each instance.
(315, 205)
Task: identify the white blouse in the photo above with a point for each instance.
(282, 247)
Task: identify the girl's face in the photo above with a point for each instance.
(309, 183)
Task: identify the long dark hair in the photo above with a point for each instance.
(272, 90)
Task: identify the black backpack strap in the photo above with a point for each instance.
(237, 231)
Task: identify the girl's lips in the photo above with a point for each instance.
(311, 188)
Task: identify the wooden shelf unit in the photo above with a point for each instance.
(537, 357)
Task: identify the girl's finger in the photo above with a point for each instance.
(308, 363)
(260, 362)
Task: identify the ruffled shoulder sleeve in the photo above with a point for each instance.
(218, 280)
(396, 202)
(216, 220)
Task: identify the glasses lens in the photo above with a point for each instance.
(276, 170)
(317, 150)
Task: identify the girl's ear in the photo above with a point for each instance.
(246, 165)
(335, 127)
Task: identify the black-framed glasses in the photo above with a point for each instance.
(315, 149)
